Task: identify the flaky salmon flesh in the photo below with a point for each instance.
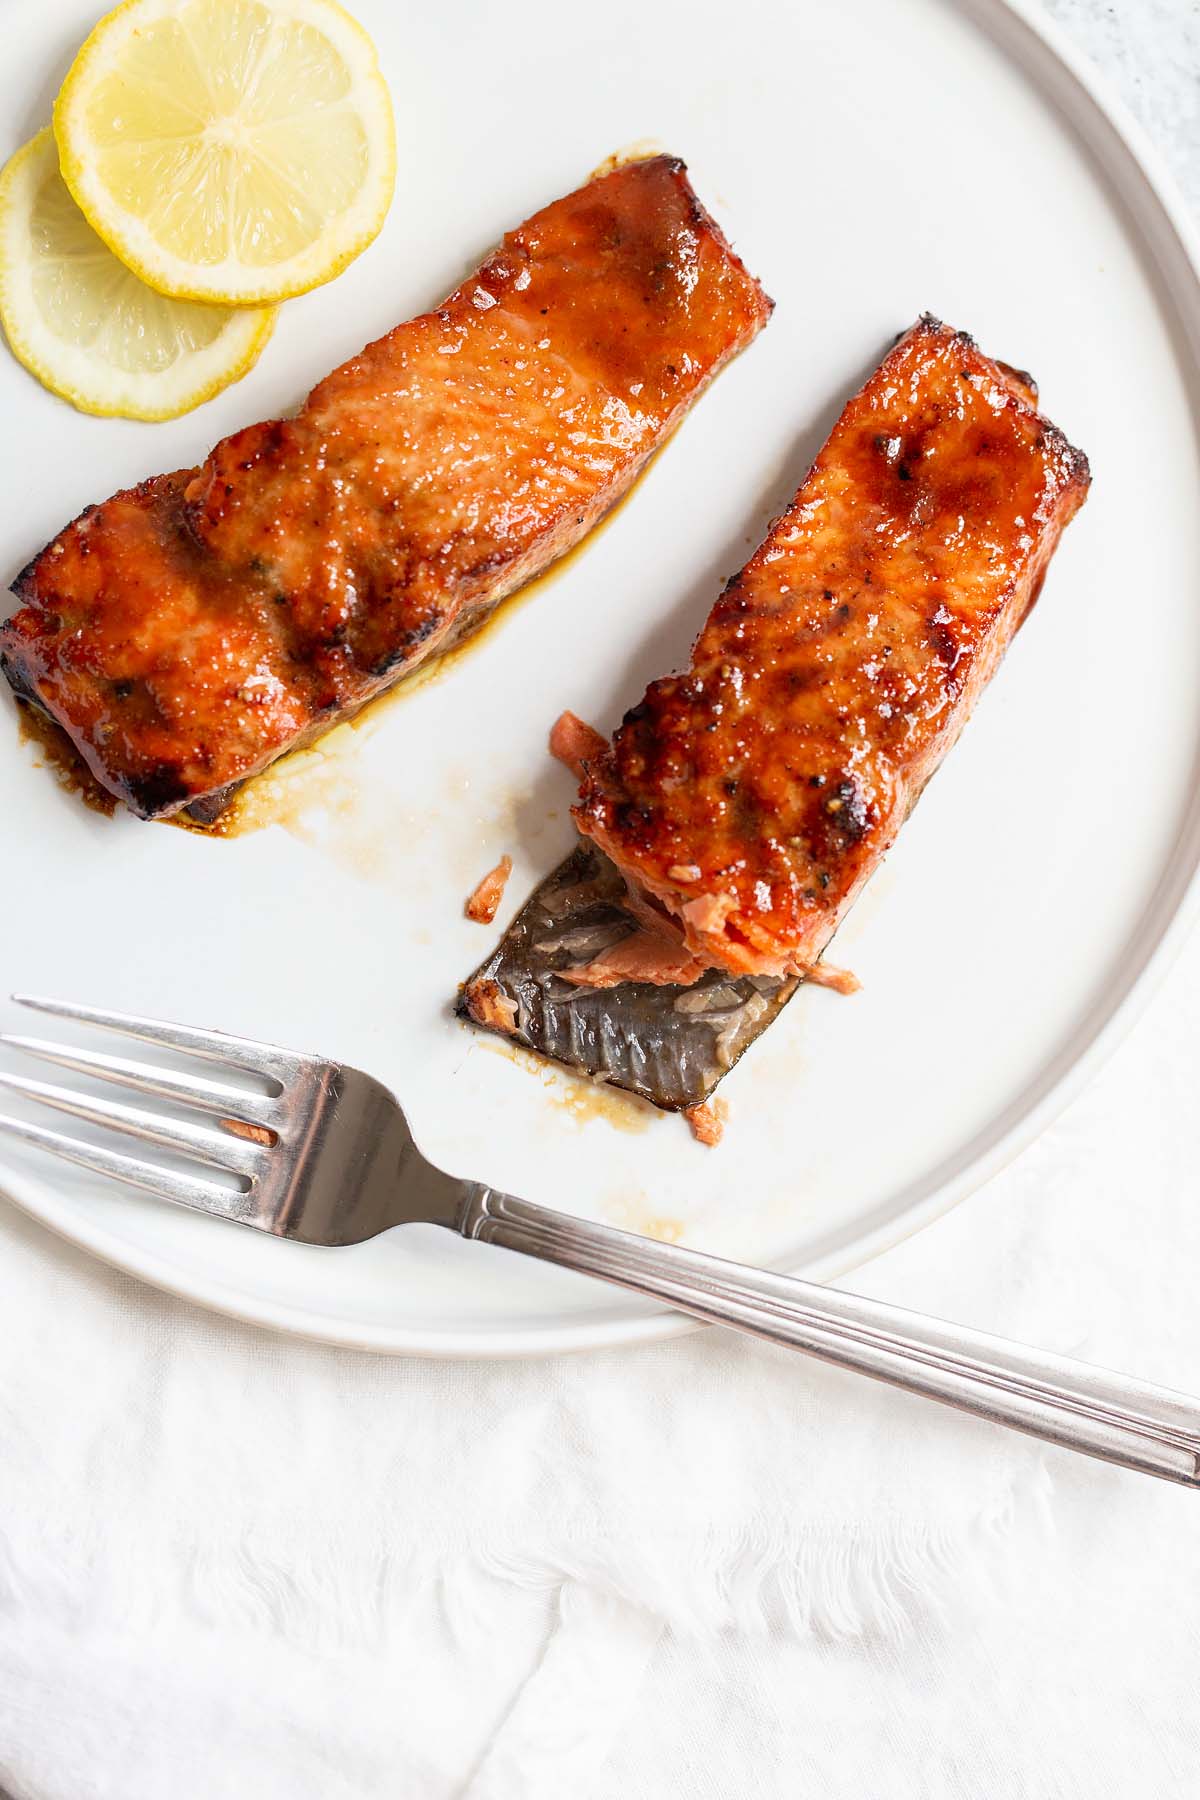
(189, 631)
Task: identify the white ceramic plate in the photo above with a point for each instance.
(870, 161)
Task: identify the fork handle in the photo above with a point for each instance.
(1115, 1417)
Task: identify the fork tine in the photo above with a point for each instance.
(217, 1046)
(164, 1084)
(184, 1190)
(221, 1151)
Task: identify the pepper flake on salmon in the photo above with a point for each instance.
(190, 630)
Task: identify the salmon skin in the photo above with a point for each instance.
(190, 630)
(671, 1045)
(750, 799)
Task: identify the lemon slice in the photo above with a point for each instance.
(236, 151)
(90, 330)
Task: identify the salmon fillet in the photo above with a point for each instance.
(190, 630)
(750, 798)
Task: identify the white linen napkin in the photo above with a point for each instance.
(232, 1564)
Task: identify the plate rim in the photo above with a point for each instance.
(1006, 21)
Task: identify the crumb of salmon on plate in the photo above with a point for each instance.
(838, 981)
(707, 1123)
(484, 900)
(489, 1005)
(575, 743)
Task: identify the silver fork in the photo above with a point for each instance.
(329, 1159)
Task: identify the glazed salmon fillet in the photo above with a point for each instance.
(751, 798)
(187, 632)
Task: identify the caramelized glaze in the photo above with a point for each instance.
(58, 753)
(754, 795)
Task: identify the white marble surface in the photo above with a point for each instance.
(1150, 52)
